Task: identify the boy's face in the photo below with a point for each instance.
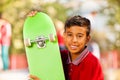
(75, 39)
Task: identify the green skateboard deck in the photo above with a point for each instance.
(42, 49)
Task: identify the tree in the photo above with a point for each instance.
(114, 7)
(114, 20)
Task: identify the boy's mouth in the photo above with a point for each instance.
(73, 47)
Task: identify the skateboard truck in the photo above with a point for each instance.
(40, 40)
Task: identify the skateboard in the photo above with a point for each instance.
(42, 49)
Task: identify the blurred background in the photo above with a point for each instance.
(105, 21)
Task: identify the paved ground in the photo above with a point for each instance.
(110, 74)
(14, 75)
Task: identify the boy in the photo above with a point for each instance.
(78, 62)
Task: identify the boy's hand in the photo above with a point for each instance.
(32, 77)
(32, 13)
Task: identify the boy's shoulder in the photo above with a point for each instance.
(92, 59)
(64, 54)
(64, 51)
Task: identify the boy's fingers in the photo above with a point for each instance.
(34, 77)
(32, 13)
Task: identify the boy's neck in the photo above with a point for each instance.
(74, 56)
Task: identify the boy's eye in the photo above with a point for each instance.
(79, 36)
(69, 34)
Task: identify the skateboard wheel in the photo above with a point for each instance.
(27, 42)
(52, 37)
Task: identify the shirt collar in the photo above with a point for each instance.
(79, 58)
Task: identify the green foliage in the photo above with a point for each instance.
(114, 7)
(55, 9)
(114, 22)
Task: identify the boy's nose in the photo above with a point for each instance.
(74, 39)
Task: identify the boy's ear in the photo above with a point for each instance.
(88, 38)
